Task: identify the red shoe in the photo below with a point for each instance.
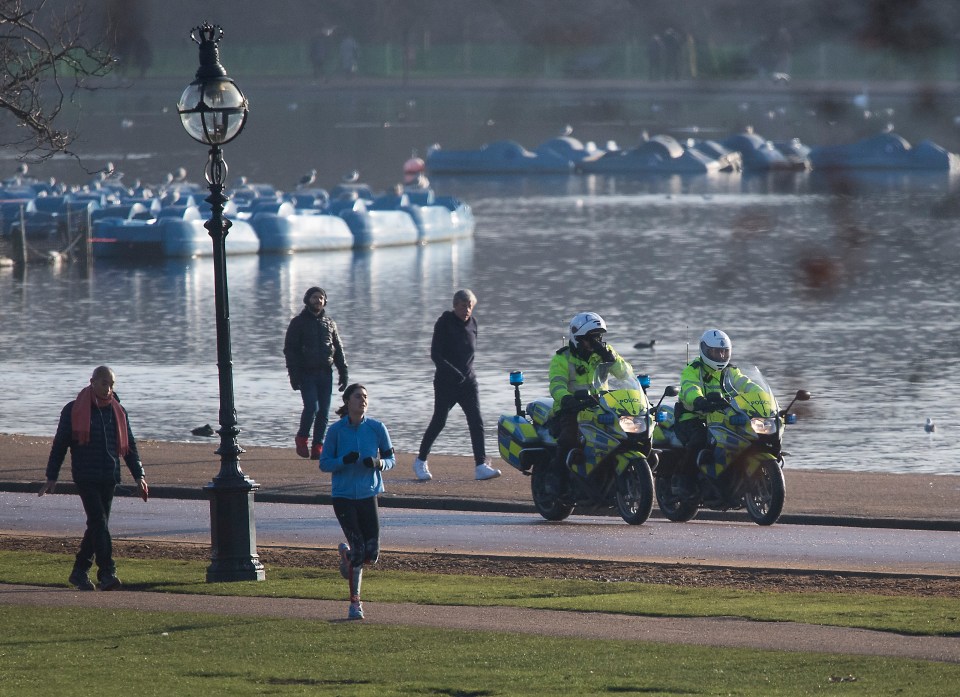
(302, 449)
(315, 451)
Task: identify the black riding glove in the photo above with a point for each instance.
(342, 384)
(716, 402)
(604, 351)
(569, 403)
(374, 463)
(701, 404)
(350, 458)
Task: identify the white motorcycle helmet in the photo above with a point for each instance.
(585, 323)
(716, 349)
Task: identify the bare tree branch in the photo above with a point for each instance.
(46, 54)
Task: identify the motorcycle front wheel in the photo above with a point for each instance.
(545, 487)
(765, 493)
(672, 506)
(635, 492)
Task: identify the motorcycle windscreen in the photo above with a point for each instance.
(619, 388)
(750, 392)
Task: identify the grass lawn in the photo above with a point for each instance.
(60, 651)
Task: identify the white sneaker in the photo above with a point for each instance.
(421, 470)
(485, 471)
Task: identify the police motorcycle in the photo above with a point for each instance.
(744, 468)
(612, 467)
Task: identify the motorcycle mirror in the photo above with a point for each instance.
(516, 377)
(801, 396)
(671, 391)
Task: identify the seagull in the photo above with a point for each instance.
(307, 179)
(929, 426)
(645, 344)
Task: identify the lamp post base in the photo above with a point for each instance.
(233, 531)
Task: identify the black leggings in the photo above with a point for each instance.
(446, 396)
(360, 521)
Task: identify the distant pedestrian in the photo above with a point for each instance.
(673, 53)
(319, 51)
(312, 347)
(356, 451)
(452, 349)
(656, 57)
(95, 429)
(349, 53)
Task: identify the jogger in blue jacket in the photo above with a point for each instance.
(356, 450)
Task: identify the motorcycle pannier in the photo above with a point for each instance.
(514, 433)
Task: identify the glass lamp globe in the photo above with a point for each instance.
(213, 110)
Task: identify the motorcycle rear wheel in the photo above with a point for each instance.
(545, 500)
(766, 493)
(635, 492)
(672, 506)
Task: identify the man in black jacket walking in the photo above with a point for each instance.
(94, 427)
(311, 348)
(452, 349)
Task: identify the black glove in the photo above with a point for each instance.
(604, 352)
(716, 402)
(294, 383)
(569, 403)
(701, 404)
(342, 384)
(350, 458)
(374, 463)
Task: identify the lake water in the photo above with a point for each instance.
(846, 291)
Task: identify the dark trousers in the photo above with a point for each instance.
(566, 429)
(445, 397)
(97, 498)
(315, 389)
(695, 436)
(360, 521)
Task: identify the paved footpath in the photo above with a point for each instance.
(181, 470)
(720, 632)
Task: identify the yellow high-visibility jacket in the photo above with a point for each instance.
(569, 372)
(698, 380)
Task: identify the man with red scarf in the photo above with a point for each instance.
(94, 427)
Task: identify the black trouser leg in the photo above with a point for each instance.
(97, 498)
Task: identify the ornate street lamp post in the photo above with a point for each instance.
(213, 111)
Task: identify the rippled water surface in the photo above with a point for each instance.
(851, 297)
(848, 289)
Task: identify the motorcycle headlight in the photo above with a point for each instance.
(632, 424)
(764, 427)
